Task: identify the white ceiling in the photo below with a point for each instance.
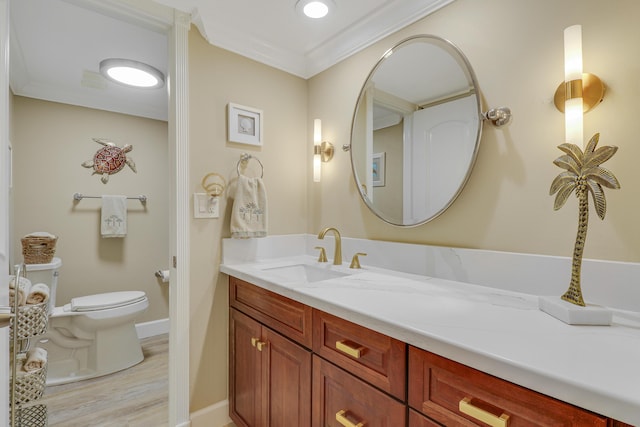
(57, 45)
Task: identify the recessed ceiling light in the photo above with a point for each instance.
(314, 8)
(132, 73)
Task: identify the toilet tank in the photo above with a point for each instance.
(47, 274)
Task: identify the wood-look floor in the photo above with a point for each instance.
(135, 397)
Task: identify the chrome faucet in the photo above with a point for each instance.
(337, 253)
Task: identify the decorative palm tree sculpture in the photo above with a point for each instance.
(584, 175)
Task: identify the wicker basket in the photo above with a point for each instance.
(38, 249)
(30, 386)
(33, 320)
(32, 416)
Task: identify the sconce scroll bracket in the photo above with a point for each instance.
(592, 92)
(325, 150)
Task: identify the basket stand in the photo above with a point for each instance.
(26, 388)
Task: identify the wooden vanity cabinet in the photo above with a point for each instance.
(291, 365)
(457, 395)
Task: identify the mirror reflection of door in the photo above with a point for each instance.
(54, 119)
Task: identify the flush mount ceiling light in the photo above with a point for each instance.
(132, 73)
(314, 8)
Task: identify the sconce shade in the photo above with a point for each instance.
(317, 139)
(317, 168)
(322, 150)
(579, 92)
(573, 85)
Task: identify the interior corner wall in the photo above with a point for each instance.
(50, 141)
(516, 50)
(216, 78)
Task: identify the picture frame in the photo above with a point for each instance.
(378, 166)
(245, 125)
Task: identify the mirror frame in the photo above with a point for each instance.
(462, 59)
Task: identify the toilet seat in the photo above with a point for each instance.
(104, 301)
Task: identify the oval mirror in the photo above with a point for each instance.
(416, 130)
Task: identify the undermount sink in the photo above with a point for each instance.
(303, 273)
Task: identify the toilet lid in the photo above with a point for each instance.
(106, 300)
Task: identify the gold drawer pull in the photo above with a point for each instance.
(342, 419)
(347, 349)
(255, 342)
(466, 407)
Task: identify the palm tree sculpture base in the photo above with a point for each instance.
(583, 175)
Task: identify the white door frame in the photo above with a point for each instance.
(4, 204)
(177, 26)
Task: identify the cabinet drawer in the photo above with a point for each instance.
(416, 419)
(378, 359)
(454, 394)
(342, 400)
(289, 317)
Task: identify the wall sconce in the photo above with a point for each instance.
(322, 150)
(579, 92)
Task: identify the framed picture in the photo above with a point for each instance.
(245, 124)
(378, 169)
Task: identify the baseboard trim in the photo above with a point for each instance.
(152, 328)
(216, 415)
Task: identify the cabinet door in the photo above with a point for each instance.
(287, 383)
(342, 400)
(269, 376)
(245, 380)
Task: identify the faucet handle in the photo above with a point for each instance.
(323, 254)
(355, 261)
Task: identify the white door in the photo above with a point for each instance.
(437, 156)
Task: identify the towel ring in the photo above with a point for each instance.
(244, 158)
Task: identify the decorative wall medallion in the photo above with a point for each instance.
(109, 159)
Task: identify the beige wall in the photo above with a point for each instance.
(515, 47)
(50, 141)
(516, 50)
(217, 77)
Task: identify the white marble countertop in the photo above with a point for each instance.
(494, 330)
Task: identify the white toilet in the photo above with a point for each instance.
(92, 335)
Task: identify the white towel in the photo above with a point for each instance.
(36, 359)
(113, 222)
(24, 285)
(38, 293)
(249, 213)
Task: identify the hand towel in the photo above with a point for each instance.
(249, 213)
(24, 285)
(36, 359)
(38, 293)
(113, 222)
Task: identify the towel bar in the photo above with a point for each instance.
(79, 196)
